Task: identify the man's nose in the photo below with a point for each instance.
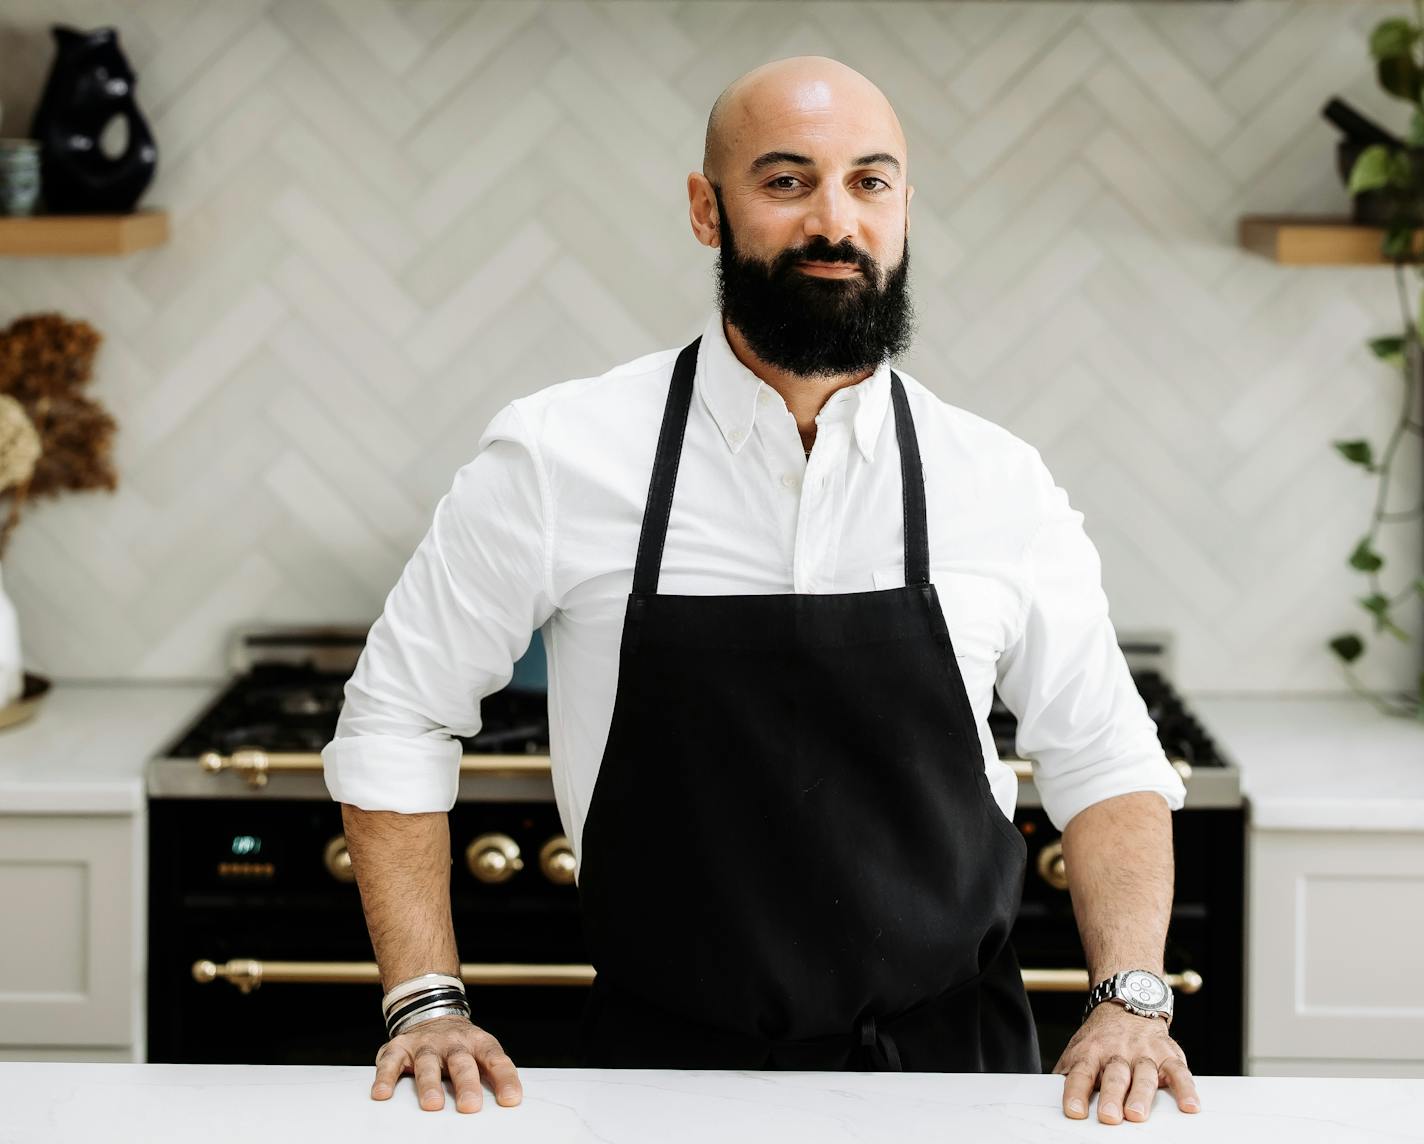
(831, 213)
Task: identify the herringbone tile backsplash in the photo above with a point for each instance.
(390, 218)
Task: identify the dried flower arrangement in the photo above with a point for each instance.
(45, 360)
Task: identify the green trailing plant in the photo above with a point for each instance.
(1397, 46)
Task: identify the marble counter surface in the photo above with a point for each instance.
(56, 1102)
(1319, 762)
(84, 750)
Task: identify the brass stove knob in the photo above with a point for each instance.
(556, 859)
(494, 858)
(1050, 865)
(337, 860)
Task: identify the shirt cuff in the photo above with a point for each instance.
(1065, 795)
(392, 772)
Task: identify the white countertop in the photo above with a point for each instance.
(85, 748)
(1308, 762)
(59, 1101)
(1319, 762)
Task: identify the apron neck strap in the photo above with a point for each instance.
(669, 452)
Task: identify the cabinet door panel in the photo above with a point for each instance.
(68, 961)
(1337, 945)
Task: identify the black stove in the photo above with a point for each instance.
(255, 923)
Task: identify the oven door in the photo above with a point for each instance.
(259, 952)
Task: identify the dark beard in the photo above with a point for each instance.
(809, 325)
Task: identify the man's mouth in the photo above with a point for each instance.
(838, 269)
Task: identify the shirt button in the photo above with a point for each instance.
(790, 480)
(736, 439)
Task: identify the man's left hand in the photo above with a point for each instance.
(1133, 1056)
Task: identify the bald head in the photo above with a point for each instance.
(798, 93)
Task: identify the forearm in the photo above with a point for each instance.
(1118, 858)
(402, 868)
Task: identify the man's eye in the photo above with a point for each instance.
(876, 179)
(792, 178)
(780, 178)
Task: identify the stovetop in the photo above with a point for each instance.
(279, 707)
(287, 689)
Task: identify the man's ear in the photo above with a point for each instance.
(702, 209)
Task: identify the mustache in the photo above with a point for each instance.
(823, 251)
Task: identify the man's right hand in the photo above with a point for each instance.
(450, 1045)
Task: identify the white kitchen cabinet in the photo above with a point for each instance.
(1336, 953)
(1334, 882)
(73, 906)
(74, 868)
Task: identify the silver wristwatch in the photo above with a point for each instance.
(1137, 990)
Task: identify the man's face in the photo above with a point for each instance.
(808, 320)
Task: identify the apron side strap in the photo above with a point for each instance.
(664, 479)
(912, 479)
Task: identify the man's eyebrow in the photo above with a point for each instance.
(775, 158)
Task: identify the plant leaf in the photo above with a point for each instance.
(1371, 169)
(1389, 350)
(1401, 170)
(1392, 37)
(1399, 75)
(1348, 647)
(1366, 559)
(1357, 451)
(1379, 607)
(1398, 241)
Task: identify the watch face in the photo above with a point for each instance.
(1143, 989)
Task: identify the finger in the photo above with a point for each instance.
(1144, 1089)
(465, 1075)
(427, 1078)
(1179, 1079)
(1078, 1089)
(391, 1062)
(503, 1078)
(1116, 1074)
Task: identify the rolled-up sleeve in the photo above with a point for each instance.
(462, 612)
(1081, 720)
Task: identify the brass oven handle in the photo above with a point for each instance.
(249, 973)
(1076, 980)
(254, 764)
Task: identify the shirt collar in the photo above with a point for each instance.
(730, 390)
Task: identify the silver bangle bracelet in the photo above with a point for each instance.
(422, 984)
(424, 1015)
(413, 1006)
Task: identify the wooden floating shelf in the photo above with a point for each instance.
(48, 235)
(1316, 240)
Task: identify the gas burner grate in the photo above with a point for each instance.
(282, 707)
(1181, 735)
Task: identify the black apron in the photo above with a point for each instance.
(792, 858)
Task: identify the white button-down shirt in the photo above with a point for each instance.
(540, 531)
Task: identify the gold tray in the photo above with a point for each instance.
(28, 703)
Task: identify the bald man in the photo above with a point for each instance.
(789, 854)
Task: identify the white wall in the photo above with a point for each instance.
(390, 218)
